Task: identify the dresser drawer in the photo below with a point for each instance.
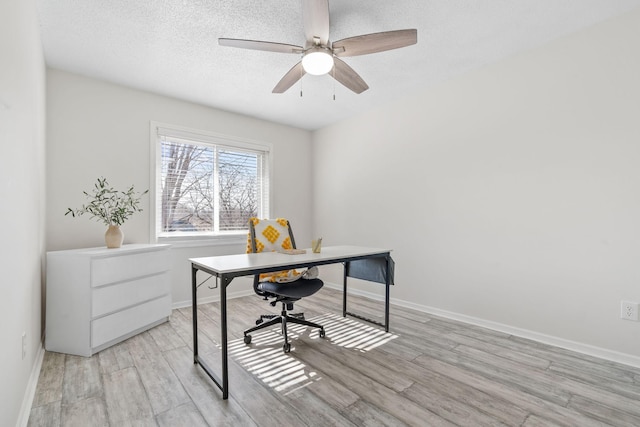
(108, 299)
(116, 325)
(119, 268)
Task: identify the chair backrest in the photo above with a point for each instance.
(269, 235)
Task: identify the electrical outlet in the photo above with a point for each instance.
(24, 345)
(629, 310)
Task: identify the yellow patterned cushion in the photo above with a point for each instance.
(272, 235)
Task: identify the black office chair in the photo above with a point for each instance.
(285, 286)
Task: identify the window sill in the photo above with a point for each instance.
(201, 241)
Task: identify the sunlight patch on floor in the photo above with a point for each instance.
(353, 334)
(265, 359)
(281, 371)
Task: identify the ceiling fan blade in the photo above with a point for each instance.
(315, 18)
(289, 79)
(260, 45)
(376, 42)
(347, 76)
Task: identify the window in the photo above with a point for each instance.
(206, 184)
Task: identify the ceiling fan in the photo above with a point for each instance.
(320, 56)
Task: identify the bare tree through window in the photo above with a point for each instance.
(208, 188)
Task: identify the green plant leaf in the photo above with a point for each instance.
(108, 205)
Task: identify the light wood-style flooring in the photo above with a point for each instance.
(428, 371)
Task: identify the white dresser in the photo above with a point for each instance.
(98, 297)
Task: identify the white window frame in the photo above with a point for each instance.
(201, 137)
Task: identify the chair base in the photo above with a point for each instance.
(283, 319)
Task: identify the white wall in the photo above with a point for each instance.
(101, 129)
(22, 123)
(510, 195)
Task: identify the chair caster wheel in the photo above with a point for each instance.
(322, 333)
(247, 339)
(286, 347)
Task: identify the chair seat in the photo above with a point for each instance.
(298, 289)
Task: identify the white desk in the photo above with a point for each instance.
(228, 267)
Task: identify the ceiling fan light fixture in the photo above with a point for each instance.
(317, 61)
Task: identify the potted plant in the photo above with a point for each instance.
(112, 207)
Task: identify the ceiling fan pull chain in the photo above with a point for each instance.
(334, 82)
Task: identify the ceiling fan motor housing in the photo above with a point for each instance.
(317, 60)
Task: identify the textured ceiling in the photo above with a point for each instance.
(170, 47)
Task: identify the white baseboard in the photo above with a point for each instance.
(603, 353)
(30, 392)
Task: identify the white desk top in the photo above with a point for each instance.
(226, 264)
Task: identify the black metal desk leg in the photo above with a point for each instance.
(224, 383)
(194, 306)
(386, 293)
(223, 337)
(344, 291)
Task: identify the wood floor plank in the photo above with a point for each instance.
(502, 351)
(163, 388)
(209, 324)
(108, 361)
(183, 415)
(182, 326)
(264, 357)
(610, 379)
(434, 381)
(364, 414)
(397, 312)
(334, 394)
(126, 398)
(204, 394)
(298, 386)
(427, 371)
(605, 413)
(47, 415)
(49, 388)
(536, 421)
(372, 391)
(166, 337)
(402, 350)
(562, 386)
(87, 412)
(263, 406)
(559, 354)
(536, 383)
(81, 379)
(314, 411)
(343, 350)
(382, 369)
(182, 323)
(115, 358)
(454, 410)
(517, 396)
